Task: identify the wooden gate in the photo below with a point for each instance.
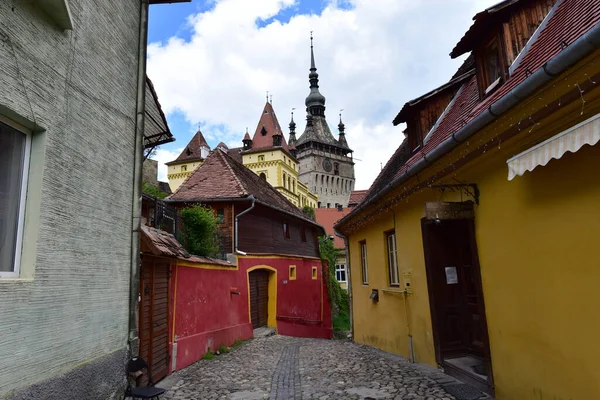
(154, 315)
(259, 297)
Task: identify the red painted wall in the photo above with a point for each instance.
(207, 315)
(303, 307)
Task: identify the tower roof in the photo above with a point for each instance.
(192, 152)
(267, 127)
(315, 98)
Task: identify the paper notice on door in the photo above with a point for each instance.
(451, 275)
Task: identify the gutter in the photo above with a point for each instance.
(575, 52)
(140, 109)
(236, 230)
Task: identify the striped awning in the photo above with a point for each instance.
(586, 132)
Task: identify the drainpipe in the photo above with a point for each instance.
(133, 339)
(574, 53)
(238, 251)
(348, 278)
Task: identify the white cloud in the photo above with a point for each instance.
(162, 156)
(371, 59)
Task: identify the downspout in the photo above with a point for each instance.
(348, 278)
(574, 53)
(236, 250)
(133, 339)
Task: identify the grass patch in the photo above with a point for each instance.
(237, 343)
(341, 322)
(209, 355)
(223, 349)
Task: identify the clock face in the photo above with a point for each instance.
(327, 165)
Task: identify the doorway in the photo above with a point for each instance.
(456, 300)
(259, 297)
(154, 315)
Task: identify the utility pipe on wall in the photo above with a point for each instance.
(140, 107)
(237, 251)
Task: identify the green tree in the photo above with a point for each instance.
(199, 231)
(309, 212)
(340, 304)
(153, 190)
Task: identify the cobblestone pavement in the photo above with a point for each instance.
(280, 367)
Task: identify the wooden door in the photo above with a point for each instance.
(455, 292)
(259, 297)
(154, 315)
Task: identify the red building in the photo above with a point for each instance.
(273, 277)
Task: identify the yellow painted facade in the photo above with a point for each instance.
(179, 172)
(536, 238)
(281, 171)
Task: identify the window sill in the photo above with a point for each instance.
(8, 280)
(393, 291)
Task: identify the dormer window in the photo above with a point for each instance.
(263, 131)
(491, 63)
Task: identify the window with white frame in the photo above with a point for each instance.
(14, 162)
(340, 273)
(392, 258)
(363, 262)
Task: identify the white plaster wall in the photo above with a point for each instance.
(79, 86)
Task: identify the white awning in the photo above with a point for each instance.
(586, 132)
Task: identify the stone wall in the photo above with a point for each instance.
(76, 91)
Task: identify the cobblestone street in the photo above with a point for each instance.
(280, 367)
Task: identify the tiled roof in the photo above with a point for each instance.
(222, 145)
(222, 177)
(571, 20)
(192, 150)
(267, 127)
(236, 154)
(161, 243)
(356, 196)
(327, 217)
(156, 128)
(318, 131)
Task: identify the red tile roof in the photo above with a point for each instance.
(571, 20)
(162, 243)
(192, 150)
(267, 127)
(222, 177)
(356, 196)
(328, 217)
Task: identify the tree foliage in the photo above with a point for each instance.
(199, 231)
(153, 190)
(309, 212)
(340, 305)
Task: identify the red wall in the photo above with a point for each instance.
(207, 315)
(303, 307)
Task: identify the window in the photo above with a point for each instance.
(336, 168)
(340, 273)
(491, 67)
(220, 215)
(292, 272)
(14, 163)
(390, 238)
(286, 230)
(263, 176)
(314, 272)
(183, 168)
(363, 262)
(261, 158)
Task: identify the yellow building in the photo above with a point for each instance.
(190, 158)
(474, 249)
(268, 155)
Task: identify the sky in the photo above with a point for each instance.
(213, 61)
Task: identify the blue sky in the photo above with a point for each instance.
(212, 62)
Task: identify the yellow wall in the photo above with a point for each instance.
(277, 165)
(176, 174)
(536, 237)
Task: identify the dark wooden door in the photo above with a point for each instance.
(259, 297)
(455, 292)
(154, 315)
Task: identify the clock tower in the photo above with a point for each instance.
(325, 163)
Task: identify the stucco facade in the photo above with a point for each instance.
(535, 237)
(65, 317)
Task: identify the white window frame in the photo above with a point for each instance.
(341, 268)
(392, 258)
(363, 262)
(16, 271)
